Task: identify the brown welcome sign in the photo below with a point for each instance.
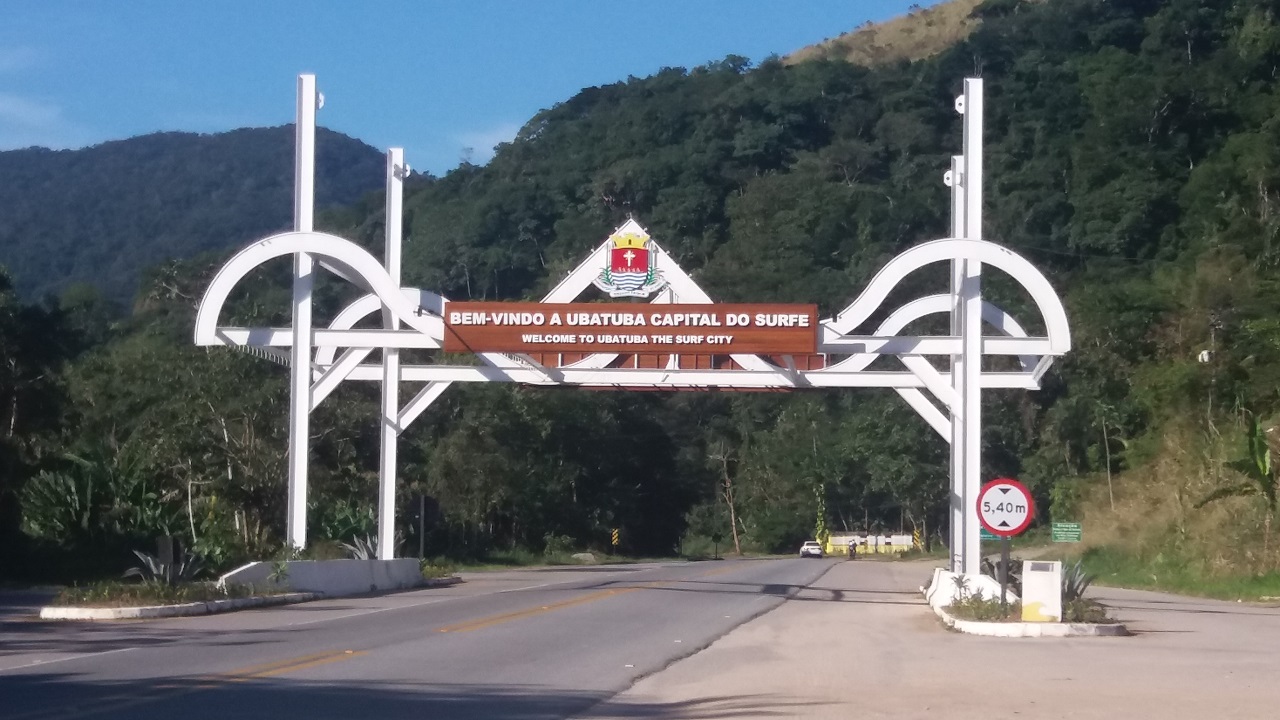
(719, 329)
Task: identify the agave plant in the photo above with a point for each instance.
(992, 569)
(1075, 581)
(181, 569)
(365, 548)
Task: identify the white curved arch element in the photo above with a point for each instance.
(339, 369)
(348, 256)
(988, 253)
(367, 305)
(934, 305)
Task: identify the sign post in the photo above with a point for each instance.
(1005, 509)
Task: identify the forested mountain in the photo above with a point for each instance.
(102, 214)
(1131, 154)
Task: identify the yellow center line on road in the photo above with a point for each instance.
(287, 666)
(178, 687)
(530, 612)
(492, 620)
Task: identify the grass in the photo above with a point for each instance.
(1156, 535)
(1117, 567)
(134, 594)
(916, 35)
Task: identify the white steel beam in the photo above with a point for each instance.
(334, 374)
(303, 281)
(932, 345)
(390, 431)
(956, 428)
(971, 297)
(674, 379)
(927, 410)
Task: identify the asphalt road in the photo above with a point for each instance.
(515, 645)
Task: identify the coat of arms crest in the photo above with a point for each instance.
(631, 271)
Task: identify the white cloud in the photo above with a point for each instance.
(483, 142)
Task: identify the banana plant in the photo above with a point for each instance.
(1259, 474)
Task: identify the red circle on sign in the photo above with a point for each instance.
(1018, 487)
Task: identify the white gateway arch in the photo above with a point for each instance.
(945, 391)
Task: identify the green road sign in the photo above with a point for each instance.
(1066, 532)
(987, 536)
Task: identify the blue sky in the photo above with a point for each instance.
(432, 77)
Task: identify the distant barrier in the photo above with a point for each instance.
(869, 544)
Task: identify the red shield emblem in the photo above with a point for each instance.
(630, 260)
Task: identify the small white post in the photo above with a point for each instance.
(971, 344)
(396, 171)
(303, 281)
(957, 535)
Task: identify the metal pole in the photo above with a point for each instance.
(1004, 572)
(971, 296)
(956, 181)
(303, 281)
(396, 171)
(422, 526)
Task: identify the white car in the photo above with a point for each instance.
(811, 549)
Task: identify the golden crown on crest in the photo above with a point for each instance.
(629, 240)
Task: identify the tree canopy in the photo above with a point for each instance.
(1131, 154)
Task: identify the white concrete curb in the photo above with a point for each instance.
(159, 611)
(1032, 629)
(53, 612)
(441, 582)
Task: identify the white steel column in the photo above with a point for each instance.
(303, 281)
(971, 352)
(957, 537)
(396, 171)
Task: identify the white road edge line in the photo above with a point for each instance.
(65, 659)
(366, 612)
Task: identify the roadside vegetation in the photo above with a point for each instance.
(1132, 156)
(139, 594)
(1197, 519)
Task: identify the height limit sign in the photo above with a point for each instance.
(1005, 507)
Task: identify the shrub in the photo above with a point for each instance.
(1075, 581)
(154, 570)
(432, 569)
(557, 545)
(977, 607)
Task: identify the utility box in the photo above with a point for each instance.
(1041, 591)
